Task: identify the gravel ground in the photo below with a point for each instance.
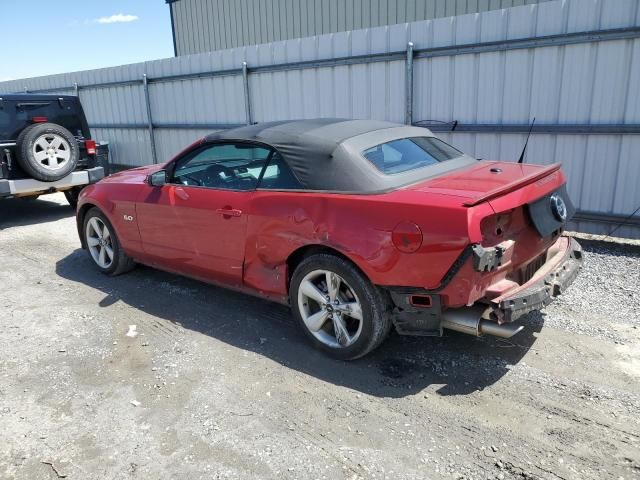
(215, 384)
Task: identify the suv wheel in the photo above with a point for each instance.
(338, 308)
(47, 151)
(103, 245)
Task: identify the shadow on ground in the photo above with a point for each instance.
(15, 212)
(403, 366)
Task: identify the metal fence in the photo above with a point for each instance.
(574, 65)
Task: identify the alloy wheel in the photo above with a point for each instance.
(99, 242)
(51, 151)
(330, 308)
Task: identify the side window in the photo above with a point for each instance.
(227, 166)
(278, 176)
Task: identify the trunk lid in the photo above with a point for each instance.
(489, 180)
(521, 197)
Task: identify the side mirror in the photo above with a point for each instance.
(157, 179)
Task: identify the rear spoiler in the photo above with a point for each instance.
(510, 187)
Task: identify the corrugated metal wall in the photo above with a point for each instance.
(207, 25)
(589, 83)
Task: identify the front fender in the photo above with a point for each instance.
(118, 203)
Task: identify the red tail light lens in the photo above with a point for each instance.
(39, 119)
(90, 145)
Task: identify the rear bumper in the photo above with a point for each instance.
(564, 261)
(29, 186)
(490, 317)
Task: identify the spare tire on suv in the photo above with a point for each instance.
(47, 151)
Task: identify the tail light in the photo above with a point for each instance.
(39, 119)
(90, 146)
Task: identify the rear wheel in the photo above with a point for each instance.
(338, 308)
(103, 245)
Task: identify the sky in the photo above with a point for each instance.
(42, 37)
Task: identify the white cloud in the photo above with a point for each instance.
(117, 18)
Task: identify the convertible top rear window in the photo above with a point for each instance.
(406, 154)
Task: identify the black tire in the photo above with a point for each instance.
(376, 320)
(72, 197)
(121, 262)
(29, 145)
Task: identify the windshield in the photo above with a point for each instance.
(405, 154)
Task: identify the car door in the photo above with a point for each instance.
(196, 223)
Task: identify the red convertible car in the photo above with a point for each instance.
(360, 226)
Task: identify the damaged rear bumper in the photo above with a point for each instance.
(493, 316)
(564, 261)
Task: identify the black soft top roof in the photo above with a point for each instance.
(324, 154)
(325, 134)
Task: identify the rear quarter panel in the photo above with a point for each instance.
(359, 227)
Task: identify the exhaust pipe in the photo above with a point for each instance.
(470, 321)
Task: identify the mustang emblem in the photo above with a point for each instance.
(558, 207)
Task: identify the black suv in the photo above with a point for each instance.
(46, 147)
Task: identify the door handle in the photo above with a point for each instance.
(229, 212)
(180, 192)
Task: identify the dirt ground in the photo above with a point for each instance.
(220, 385)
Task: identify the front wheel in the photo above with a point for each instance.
(338, 308)
(103, 245)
